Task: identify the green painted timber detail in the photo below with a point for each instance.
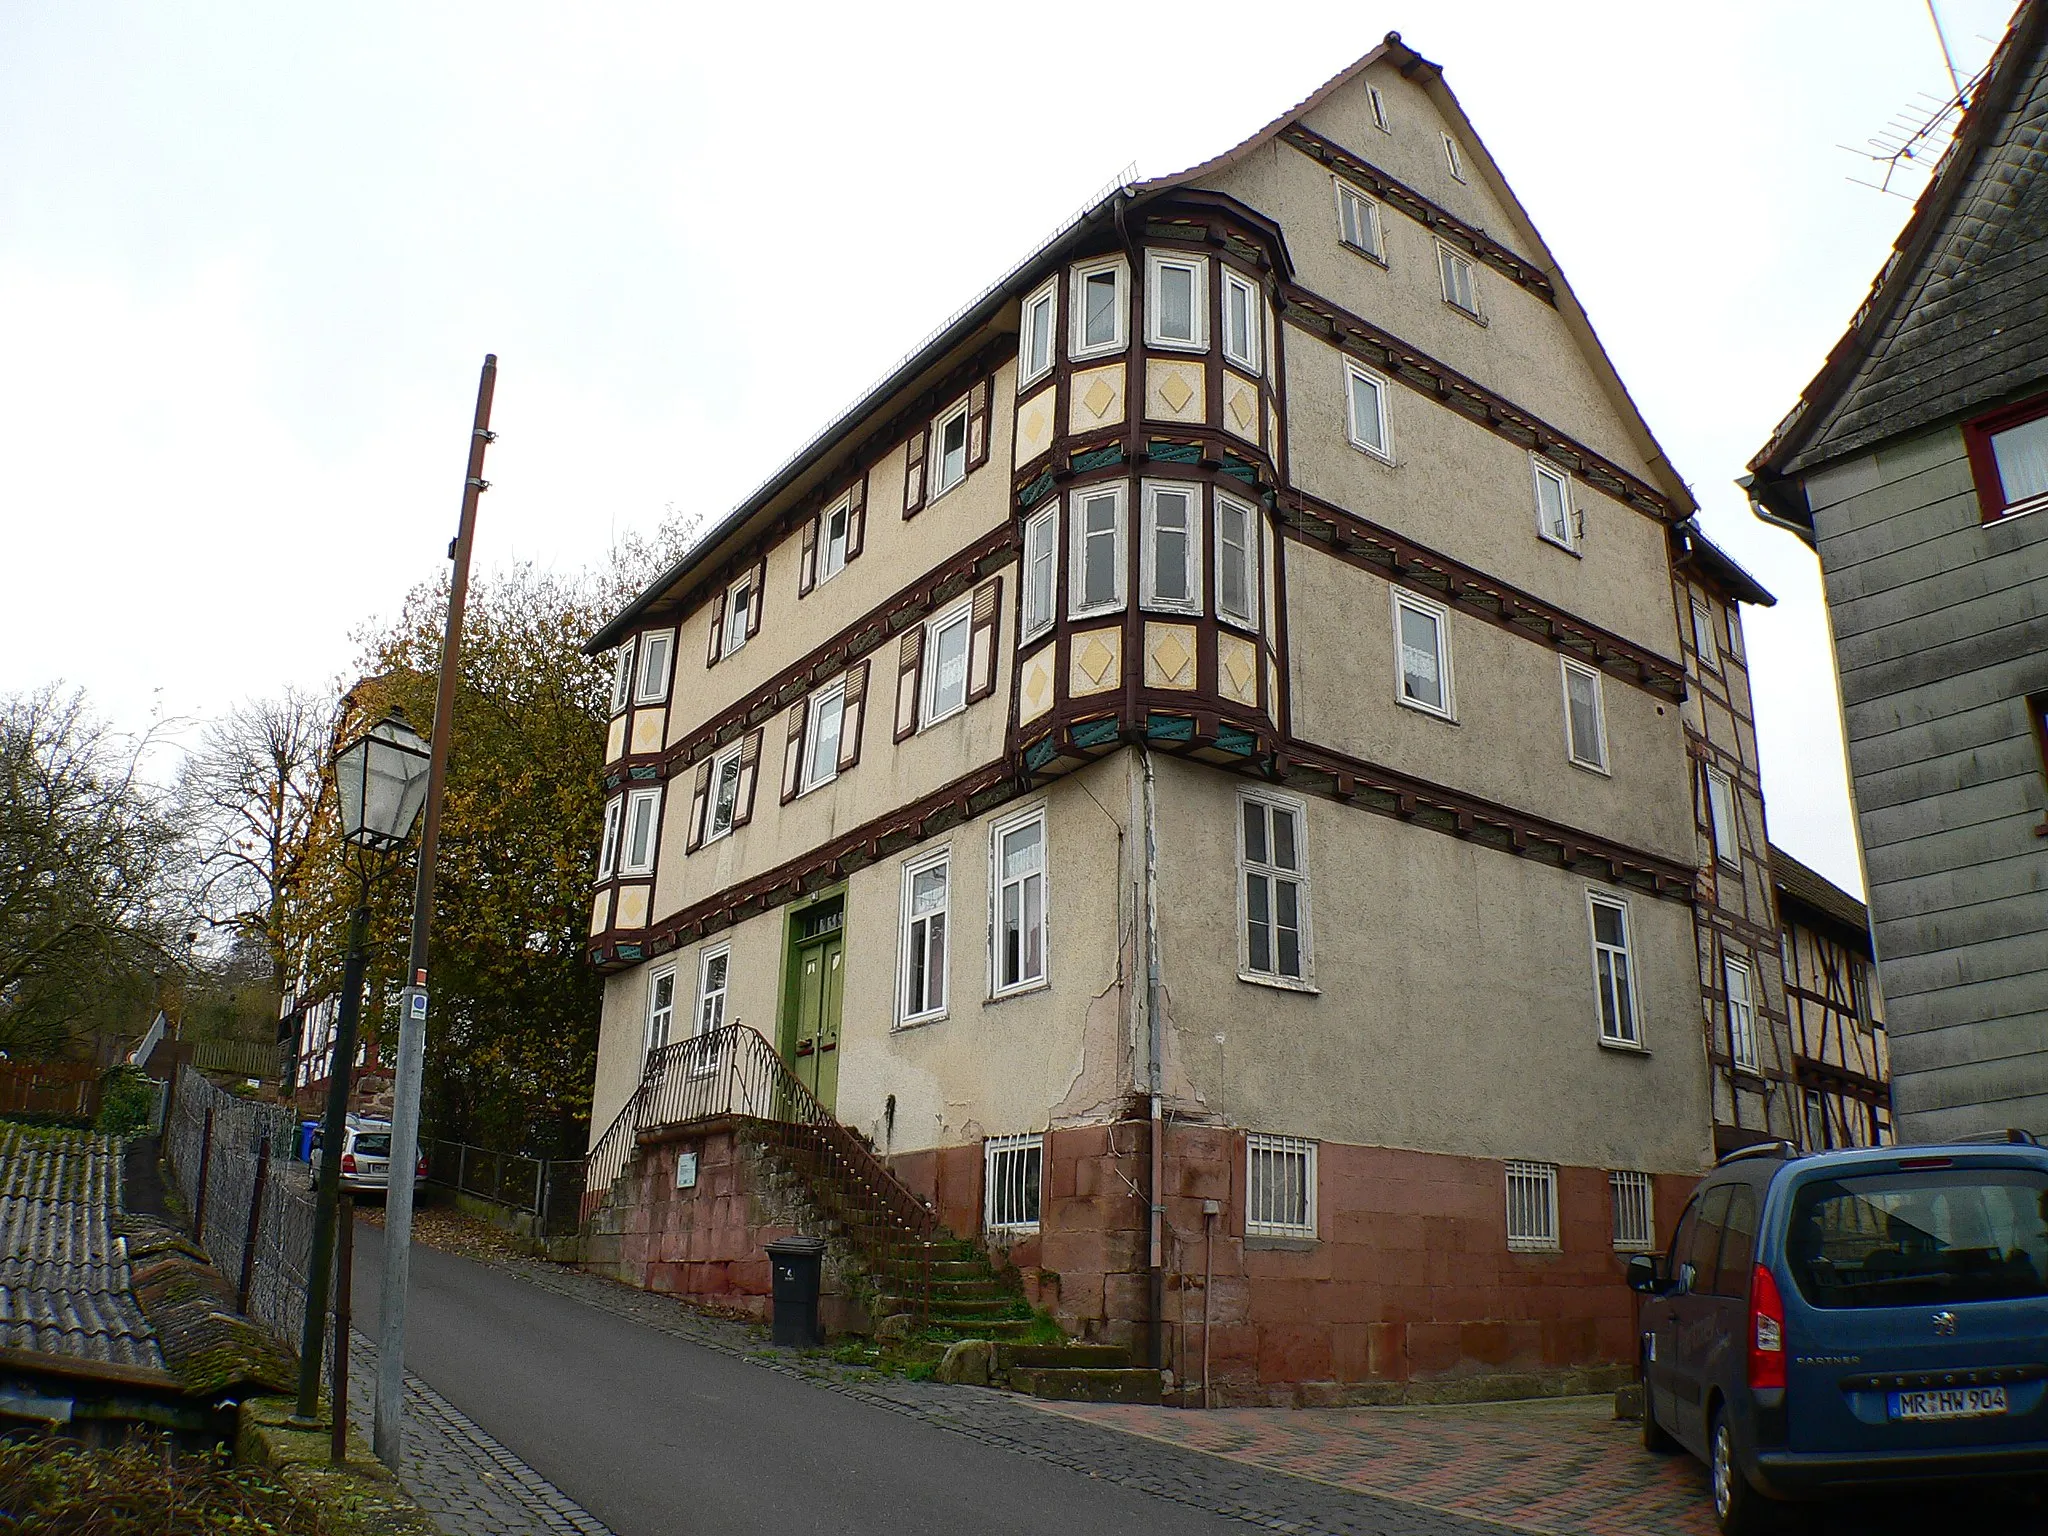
(1230, 739)
(1176, 453)
(1169, 728)
(1039, 753)
(1098, 458)
(1238, 469)
(1036, 491)
(1093, 733)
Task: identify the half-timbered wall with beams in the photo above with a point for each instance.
(1841, 1054)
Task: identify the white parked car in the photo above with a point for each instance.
(365, 1158)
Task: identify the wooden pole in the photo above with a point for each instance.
(255, 1228)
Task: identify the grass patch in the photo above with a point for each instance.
(62, 1488)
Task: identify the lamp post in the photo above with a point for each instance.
(380, 780)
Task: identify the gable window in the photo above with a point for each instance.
(1172, 551)
(1279, 1186)
(1742, 1044)
(1635, 1211)
(1241, 320)
(643, 816)
(1733, 617)
(1176, 308)
(608, 849)
(1532, 1207)
(1613, 976)
(661, 1008)
(949, 456)
(833, 546)
(2009, 459)
(1721, 812)
(1273, 881)
(1096, 583)
(1585, 717)
(1020, 903)
(1041, 563)
(821, 747)
(1554, 519)
(655, 650)
(1422, 645)
(622, 677)
(1098, 310)
(1013, 1169)
(1460, 290)
(725, 793)
(712, 967)
(1365, 411)
(1703, 634)
(923, 961)
(945, 677)
(739, 606)
(1358, 220)
(1378, 103)
(1453, 159)
(1034, 340)
(1237, 562)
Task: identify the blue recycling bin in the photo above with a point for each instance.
(308, 1129)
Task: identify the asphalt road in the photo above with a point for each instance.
(657, 1436)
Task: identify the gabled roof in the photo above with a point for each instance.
(1802, 886)
(1957, 319)
(1718, 566)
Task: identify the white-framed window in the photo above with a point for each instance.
(1096, 541)
(1585, 716)
(1742, 1043)
(1554, 516)
(1422, 655)
(608, 849)
(1358, 220)
(1243, 321)
(1099, 308)
(833, 539)
(725, 793)
(622, 677)
(1453, 159)
(922, 963)
(1733, 617)
(713, 967)
(1018, 877)
(1279, 1186)
(1365, 411)
(656, 647)
(1816, 1121)
(1013, 1172)
(1176, 301)
(945, 670)
(1614, 982)
(1041, 566)
(1378, 103)
(1170, 558)
(1721, 812)
(1237, 562)
(1272, 865)
(643, 820)
(1461, 289)
(821, 737)
(1532, 1207)
(661, 1007)
(1635, 1211)
(1703, 633)
(1034, 337)
(739, 606)
(949, 451)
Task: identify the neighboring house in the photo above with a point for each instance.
(1915, 465)
(1206, 739)
(1840, 1056)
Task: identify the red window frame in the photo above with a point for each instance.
(1977, 437)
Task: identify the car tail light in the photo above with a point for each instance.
(421, 1169)
(1766, 1331)
(348, 1162)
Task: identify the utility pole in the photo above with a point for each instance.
(389, 1428)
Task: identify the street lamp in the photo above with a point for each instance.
(380, 779)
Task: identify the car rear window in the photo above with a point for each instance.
(377, 1145)
(1920, 1238)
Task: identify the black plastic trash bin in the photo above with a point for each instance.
(796, 1265)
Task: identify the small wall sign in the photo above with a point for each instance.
(686, 1170)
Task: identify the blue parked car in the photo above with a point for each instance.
(1848, 1321)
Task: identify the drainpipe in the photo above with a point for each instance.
(1155, 1260)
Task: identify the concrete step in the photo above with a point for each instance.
(961, 1309)
(1093, 1384)
(1011, 1357)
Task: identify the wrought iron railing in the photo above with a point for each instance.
(549, 1190)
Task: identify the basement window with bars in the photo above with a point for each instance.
(1279, 1186)
(1013, 1167)
(1532, 1207)
(1635, 1212)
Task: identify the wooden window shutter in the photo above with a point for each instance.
(909, 681)
(913, 473)
(750, 770)
(852, 711)
(982, 641)
(807, 565)
(857, 517)
(756, 591)
(712, 652)
(977, 424)
(793, 750)
(700, 807)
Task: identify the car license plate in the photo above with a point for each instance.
(1949, 1403)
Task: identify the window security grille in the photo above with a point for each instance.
(1532, 1207)
(1635, 1219)
(1012, 1168)
(1280, 1186)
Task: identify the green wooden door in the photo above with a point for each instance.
(814, 1027)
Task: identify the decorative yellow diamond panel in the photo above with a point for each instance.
(633, 906)
(1174, 391)
(647, 729)
(1035, 685)
(1169, 655)
(615, 741)
(600, 912)
(1241, 407)
(1098, 662)
(1034, 426)
(1272, 430)
(1237, 669)
(1096, 398)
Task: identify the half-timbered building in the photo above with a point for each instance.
(1841, 1061)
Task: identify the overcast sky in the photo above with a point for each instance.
(251, 257)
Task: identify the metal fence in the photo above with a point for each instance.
(550, 1190)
